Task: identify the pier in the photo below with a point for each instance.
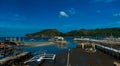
(12, 60)
(114, 41)
(109, 51)
(78, 57)
(102, 45)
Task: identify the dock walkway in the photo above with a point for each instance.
(103, 45)
(109, 51)
(12, 59)
(78, 57)
(98, 41)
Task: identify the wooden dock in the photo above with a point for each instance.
(102, 45)
(109, 51)
(78, 57)
(13, 59)
(98, 41)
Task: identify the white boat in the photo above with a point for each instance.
(37, 59)
(58, 39)
(40, 58)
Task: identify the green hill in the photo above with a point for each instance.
(45, 33)
(77, 33)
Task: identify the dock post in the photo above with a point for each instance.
(82, 46)
(68, 58)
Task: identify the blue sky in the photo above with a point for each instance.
(18, 17)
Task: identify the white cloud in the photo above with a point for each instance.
(116, 14)
(63, 14)
(67, 13)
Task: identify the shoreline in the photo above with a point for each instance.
(35, 44)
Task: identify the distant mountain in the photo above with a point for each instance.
(77, 33)
(45, 33)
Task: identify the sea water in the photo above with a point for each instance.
(45, 49)
(52, 49)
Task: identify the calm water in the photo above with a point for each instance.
(47, 49)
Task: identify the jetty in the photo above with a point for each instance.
(109, 51)
(102, 45)
(11, 60)
(113, 41)
(77, 57)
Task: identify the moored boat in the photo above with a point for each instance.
(58, 39)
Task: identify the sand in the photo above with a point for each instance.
(34, 44)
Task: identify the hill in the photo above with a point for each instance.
(45, 33)
(77, 33)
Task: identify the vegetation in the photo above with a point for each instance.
(45, 33)
(77, 33)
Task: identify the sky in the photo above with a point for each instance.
(19, 17)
